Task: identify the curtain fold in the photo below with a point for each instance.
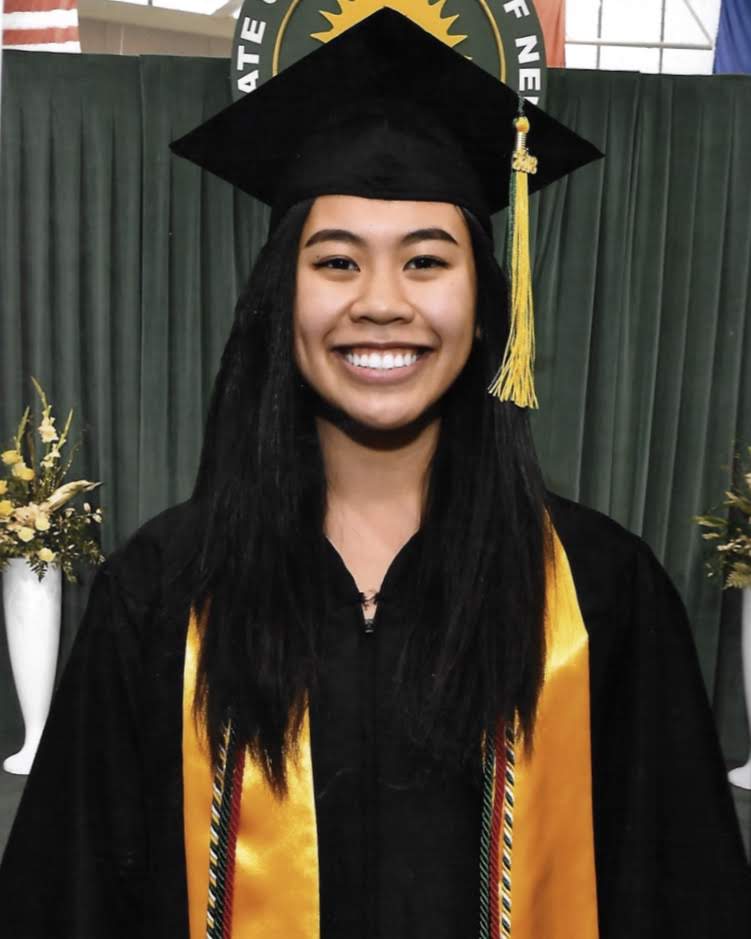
(120, 267)
(191, 275)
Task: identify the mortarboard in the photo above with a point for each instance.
(387, 111)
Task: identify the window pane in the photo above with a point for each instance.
(581, 18)
(687, 62)
(632, 20)
(581, 56)
(630, 59)
(680, 26)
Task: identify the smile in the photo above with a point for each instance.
(382, 361)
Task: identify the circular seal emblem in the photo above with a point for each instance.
(504, 38)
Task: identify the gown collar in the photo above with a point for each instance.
(342, 589)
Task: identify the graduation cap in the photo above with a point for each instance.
(387, 111)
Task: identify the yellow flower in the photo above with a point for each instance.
(3, 487)
(26, 534)
(50, 458)
(22, 471)
(45, 554)
(25, 514)
(42, 522)
(9, 457)
(6, 508)
(47, 429)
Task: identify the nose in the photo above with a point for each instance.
(381, 299)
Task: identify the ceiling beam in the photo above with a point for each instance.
(135, 14)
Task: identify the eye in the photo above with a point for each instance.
(336, 264)
(425, 261)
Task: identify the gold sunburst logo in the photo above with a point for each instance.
(423, 12)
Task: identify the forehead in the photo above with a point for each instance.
(384, 216)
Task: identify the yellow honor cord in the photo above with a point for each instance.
(515, 378)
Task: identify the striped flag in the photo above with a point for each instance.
(47, 25)
(552, 17)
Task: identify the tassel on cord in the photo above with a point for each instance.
(497, 832)
(515, 378)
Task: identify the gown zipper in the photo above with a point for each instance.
(370, 776)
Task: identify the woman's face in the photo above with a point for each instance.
(384, 314)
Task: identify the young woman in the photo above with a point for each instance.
(372, 680)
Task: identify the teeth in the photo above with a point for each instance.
(384, 362)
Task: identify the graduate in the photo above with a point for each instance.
(373, 680)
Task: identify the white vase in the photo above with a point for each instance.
(32, 622)
(741, 775)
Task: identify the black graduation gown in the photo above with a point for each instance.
(96, 851)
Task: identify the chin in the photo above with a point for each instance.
(387, 425)
(381, 422)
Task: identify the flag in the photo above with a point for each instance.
(733, 47)
(552, 16)
(47, 25)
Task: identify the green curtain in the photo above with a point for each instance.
(119, 268)
(642, 291)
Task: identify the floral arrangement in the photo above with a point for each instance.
(36, 521)
(730, 536)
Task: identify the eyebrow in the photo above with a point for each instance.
(342, 234)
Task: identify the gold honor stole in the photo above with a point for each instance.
(553, 885)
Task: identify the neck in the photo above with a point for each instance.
(376, 481)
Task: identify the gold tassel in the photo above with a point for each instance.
(515, 378)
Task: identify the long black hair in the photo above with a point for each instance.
(474, 648)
